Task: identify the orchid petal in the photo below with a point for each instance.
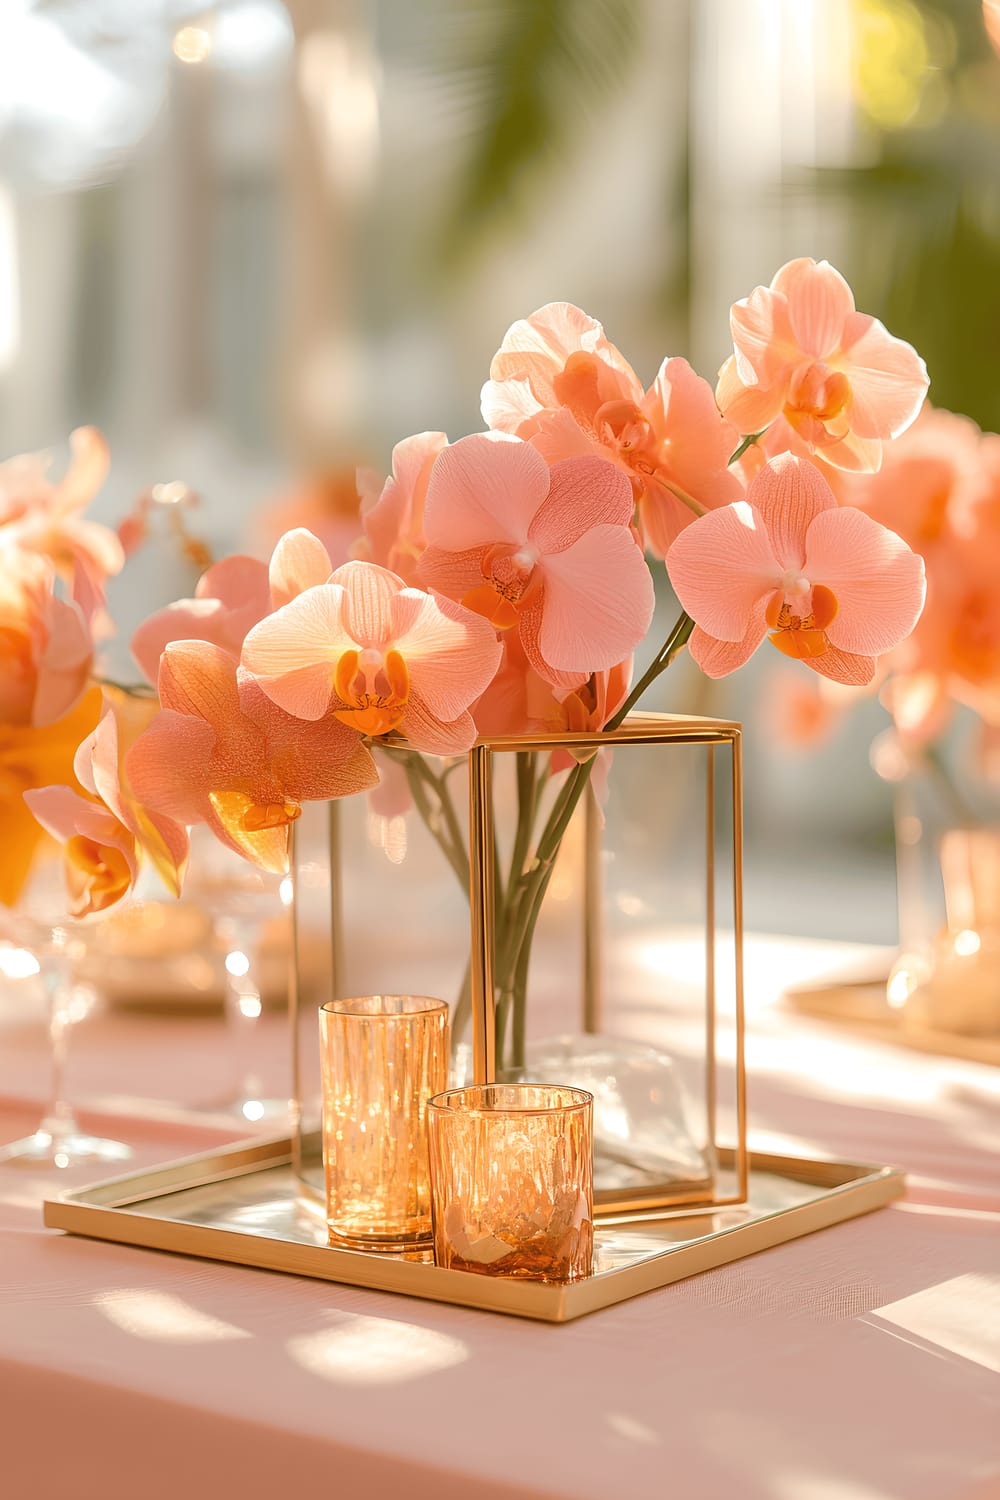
(789, 493)
(762, 337)
(583, 492)
(170, 766)
(748, 408)
(426, 732)
(451, 654)
(318, 760)
(369, 592)
(238, 582)
(484, 489)
(537, 349)
(819, 303)
(888, 379)
(199, 678)
(718, 658)
(598, 601)
(722, 566)
(88, 469)
(529, 635)
(507, 405)
(451, 573)
(294, 651)
(299, 562)
(843, 666)
(877, 580)
(697, 441)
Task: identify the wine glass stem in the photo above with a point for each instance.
(57, 980)
(243, 1007)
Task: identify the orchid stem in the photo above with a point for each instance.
(748, 442)
(684, 497)
(130, 689)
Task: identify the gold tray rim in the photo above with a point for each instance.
(111, 1210)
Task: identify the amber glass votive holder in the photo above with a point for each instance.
(512, 1180)
(383, 1056)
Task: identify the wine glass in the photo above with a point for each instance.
(43, 940)
(242, 902)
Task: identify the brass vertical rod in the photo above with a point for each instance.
(711, 1080)
(333, 830)
(593, 915)
(294, 1012)
(481, 914)
(741, 1079)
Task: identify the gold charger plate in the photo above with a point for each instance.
(241, 1205)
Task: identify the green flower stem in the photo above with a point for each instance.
(448, 834)
(748, 442)
(519, 901)
(526, 896)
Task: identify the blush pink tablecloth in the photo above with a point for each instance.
(862, 1363)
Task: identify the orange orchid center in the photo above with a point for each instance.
(96, 874)
(240, 813)
(374, 689)
(798, 615)
(511, 581)
(817, 397)
(622, 426)
(261, 815)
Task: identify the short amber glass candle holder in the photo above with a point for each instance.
(383, 1056)
(512, 1180)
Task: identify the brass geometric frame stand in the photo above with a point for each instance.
(638, 729)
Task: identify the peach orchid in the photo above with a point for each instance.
(228, 599)
(378, 656)
(221, 752)
(393, 517)
(45, 517)
(30, 758)
(833, 587)
(549, 552)
(46, 650)
(557, 382)
(803, 352)
(106, 832)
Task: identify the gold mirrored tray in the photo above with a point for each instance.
(241, 1204)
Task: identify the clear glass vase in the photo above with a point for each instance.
(581, 915)
(947, 819)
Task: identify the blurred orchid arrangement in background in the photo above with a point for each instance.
(499, 585)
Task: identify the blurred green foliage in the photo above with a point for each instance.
(925, 214)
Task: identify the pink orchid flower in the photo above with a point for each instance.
(557, 382)
(106, 833)
(43, 517)
(46, 650)
(549, 552)
(840, 380)
(378, 656)
(393, 516)
(228, 599)
(222, 753)
(833, 587)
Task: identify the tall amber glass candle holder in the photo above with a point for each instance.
(512, 1180)
(383, 1056)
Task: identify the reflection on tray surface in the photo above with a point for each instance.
(266, 1203)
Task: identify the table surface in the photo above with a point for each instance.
(862, 1363)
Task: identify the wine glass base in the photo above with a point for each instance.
(69, 1150)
